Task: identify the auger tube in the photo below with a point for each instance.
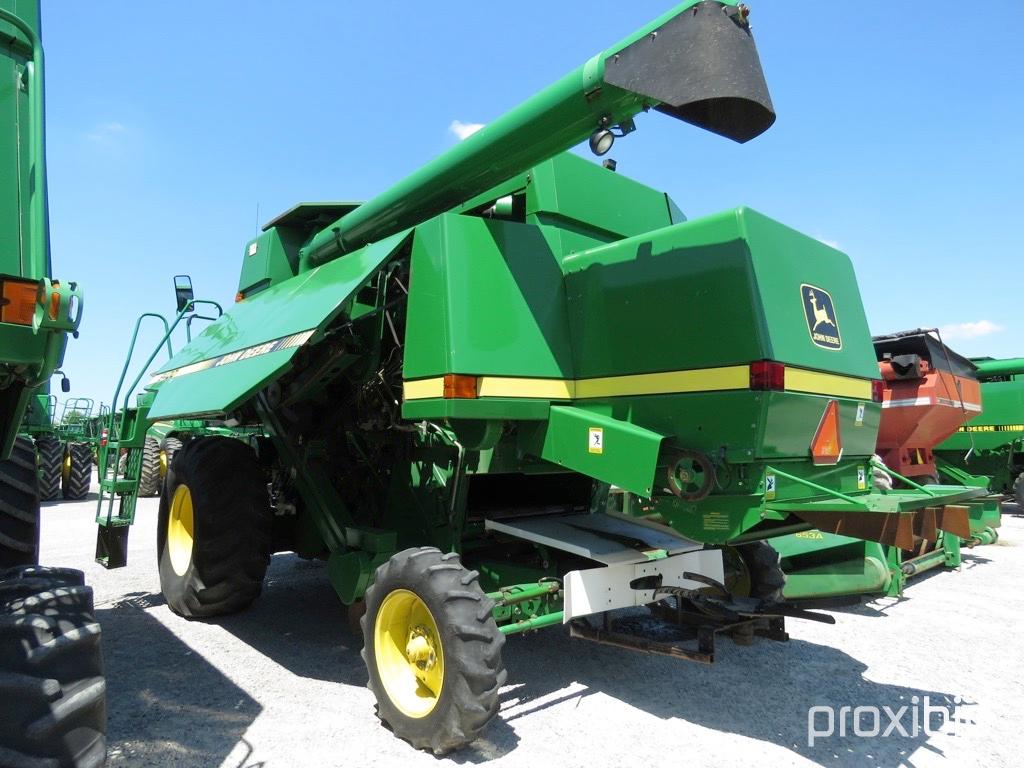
(718, 86)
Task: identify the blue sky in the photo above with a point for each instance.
(169, 124)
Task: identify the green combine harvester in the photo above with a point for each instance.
(52, 690)
(991, 445)
(162, 439)
(63, 445)
(454, 374)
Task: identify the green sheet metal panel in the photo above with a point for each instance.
(681, 297)
(602, 447)
(791, 420)
(1000, 423)
(720, 290)
(14, 140)
(710, 422)
(783, 262)
(254, 343)
(219, 389)
(302, 303)
(579, 190)
(487, 298)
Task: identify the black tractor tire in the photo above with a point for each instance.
(52, 689)
(50, 457)
(221, 569)
(19, 506)
(763, 563)
(1018, 490)
(150, 479)
(77, 476)
(470, 646)
(168, 447)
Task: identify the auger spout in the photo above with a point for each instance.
(697, 63)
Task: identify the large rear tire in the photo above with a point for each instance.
(1018, 490)
(52, 690)
(50, 455)
(432, 650)
(19, 506)
(150, 477)
(77, 475)
(168, 447)
(214, 529)
(754, 570)
(768, 580)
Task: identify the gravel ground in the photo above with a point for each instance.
(282, 684)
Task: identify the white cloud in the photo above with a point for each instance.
(970, 330)
(830, 243)
(464, 130)
(105, 131)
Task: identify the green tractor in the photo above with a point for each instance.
(453, 376)
(990, 447)
(52, 689)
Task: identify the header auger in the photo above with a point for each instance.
(449, 381)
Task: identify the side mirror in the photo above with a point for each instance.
(183, 291)
(65, 384)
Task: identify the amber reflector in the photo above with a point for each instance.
(459, 387)
(17, 301)
(827, 445)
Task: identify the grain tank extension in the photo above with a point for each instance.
(454, 375)
(992, 443)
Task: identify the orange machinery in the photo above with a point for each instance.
(930, 391)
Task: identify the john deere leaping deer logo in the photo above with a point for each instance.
(821, 317)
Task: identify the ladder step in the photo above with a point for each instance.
(118, 486)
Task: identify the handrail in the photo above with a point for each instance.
(188, 323)
(815, 486)
(128, 360)
(82, 405)
(168, 330)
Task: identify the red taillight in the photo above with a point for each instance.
(877, 388)
(767, 375)
(103, 438)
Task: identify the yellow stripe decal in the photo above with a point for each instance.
(799, 380)
(424, 388)
(727, 378)
(703, 380)
(257, 350)
(545, 389)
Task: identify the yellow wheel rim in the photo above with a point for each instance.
(163, 463)
(737, 575)
(65, 468)
(180, 530)
(408, 655)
